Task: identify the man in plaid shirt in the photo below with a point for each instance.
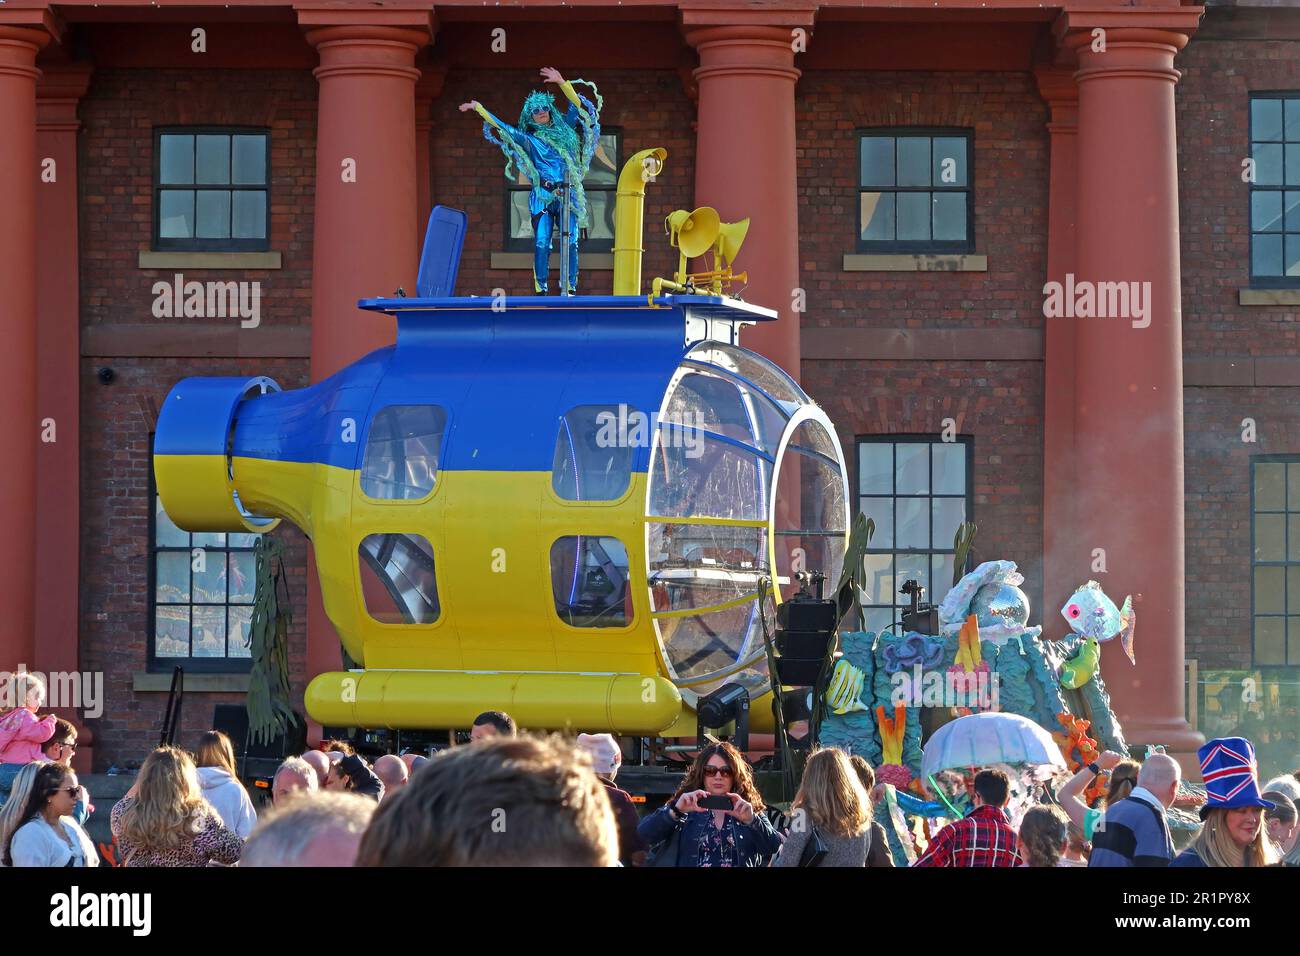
(982, 837)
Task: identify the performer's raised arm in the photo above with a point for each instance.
(552, 75)
(491, 120)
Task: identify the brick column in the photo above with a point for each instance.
(1128, 385)
(366, 201)
(58, 313)
(745, 157)
(1063, 567)
(19, 425)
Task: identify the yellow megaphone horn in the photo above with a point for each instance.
(693, 232)
(731, 236)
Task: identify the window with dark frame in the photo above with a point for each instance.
(211, 189)
(918, 490)
(201, 589)
(914, 191)
(1275, 559)
(1275, 190)
(600, 185)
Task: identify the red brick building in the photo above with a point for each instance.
(916, 173)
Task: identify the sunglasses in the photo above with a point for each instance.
(70, 791)
(711, 771)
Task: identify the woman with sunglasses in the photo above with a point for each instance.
(46, 834)
(688, 832)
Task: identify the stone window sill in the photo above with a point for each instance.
(1269, 297)
(915, 263)
(587, 261)
(143, 681)
(210, 260)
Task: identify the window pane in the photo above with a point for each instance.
(249, 160)
(1292, 209)
(1268, 164)
(1293, 485)
(876, 468)
(249, 214)
(1292, 255)
(165, 533)
(600, 214)
(1270, 640)
(213, 214)
(589, 581)
(913, 462)
(940, 576)
(948, 514)
(1266, 119)
(398, 581)
(172, 578)
(914, 161)
(239, 540)
(593, 451)
(701, 401)
(1293, 643)
(209, 539)
(1266, 255)
(878, 578)
(237, 643)
(1293, 544)
(402, 450)
(209, 633)
(877, 216)
(176, 214)
(949, 468)
(913, 523)
(707, 478)
(1270, 492)
(949, 161)
(881, 511)
(911, 567)
(877, 161)
(1292, 108)
(176, 159)
(1268, 590)
(521, 224)
(212, 159)
(1293, 165)
(1269, 543)
(1293, 588)
(878, 618)
(171, 630)
(604, 164)
(243, 577)
(913, 216)
(209, 577)
(949, 216)
(1266, 210)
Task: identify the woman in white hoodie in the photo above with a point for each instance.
(220, 783)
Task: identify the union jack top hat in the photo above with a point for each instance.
(1230, 774)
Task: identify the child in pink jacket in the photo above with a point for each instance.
(22, 733)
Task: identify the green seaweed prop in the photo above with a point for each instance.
(270, 713)
(961, 543)
(852, 575)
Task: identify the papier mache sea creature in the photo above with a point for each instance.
(992, 593)
(1094, 617)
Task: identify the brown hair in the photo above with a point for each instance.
(742, 779)
(1123, 778)
(865, 773)
(1043, 832)
(337, 746)
(506, 801)
(832, 795)
(215, 750)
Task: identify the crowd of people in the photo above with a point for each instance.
(512, 799)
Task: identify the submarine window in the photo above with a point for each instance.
(589, 579)
(593, 451)
(397, 579)
(402, 450)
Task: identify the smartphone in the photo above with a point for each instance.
(714, 803)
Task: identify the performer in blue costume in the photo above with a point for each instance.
(550, 150)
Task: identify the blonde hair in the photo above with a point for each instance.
(1215, 846)
(832, 794)
(169, 808)
(215, 750)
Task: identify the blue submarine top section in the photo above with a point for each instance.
(505, 370)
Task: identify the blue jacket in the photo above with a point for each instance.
(1133, 833)
(1188, 857)
(546, 158)
(756, 843)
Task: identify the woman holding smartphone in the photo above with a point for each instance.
(714, 819)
